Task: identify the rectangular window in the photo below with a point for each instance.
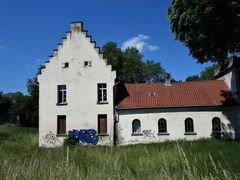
(65, 65)
(87, 63)
(61, 125)
(102, 93)
(102, 124)
(62, 94)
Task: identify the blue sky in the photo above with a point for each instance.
(31, 29)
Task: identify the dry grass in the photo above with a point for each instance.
(20, 158)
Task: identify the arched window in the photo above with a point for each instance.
(216, 124)
(189, 125)
(136, 126)
(162, 125)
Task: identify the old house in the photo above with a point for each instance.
(77, 90)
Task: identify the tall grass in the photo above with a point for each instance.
(20, 158)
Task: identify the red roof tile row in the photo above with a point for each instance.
(183, 94)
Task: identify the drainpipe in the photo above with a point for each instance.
(114, 116)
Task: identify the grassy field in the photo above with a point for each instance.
(20, 158)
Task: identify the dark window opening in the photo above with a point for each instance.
(61, 125)
(189, 125)
(136, 126)
(216, 124)
(162, 126)
(65, 65)
(102, 124)
(87, 63)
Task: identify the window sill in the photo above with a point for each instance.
(190, 133)
(137, 134)
(103, 134)
(102, 102)
(62, 104)
(61, 135)
(163, 134)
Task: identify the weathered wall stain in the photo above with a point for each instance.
(50, 139)
(148, 134)
(104, 140)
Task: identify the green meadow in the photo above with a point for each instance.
(21, 158)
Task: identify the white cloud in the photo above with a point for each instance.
(2, 47)
(140, 42)
(35, 64)
(152, 47)
(39, 60)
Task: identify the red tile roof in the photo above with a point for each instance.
(183, 94)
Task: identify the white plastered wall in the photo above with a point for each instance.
(202, 118)
(82, 108)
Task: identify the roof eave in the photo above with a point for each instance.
(166, 107)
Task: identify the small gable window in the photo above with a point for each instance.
(189, 128)
(162, 126)
(65, 65)
(216, 124)
(87, 63)
(136, 126)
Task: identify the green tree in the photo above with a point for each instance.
(207, 74)
(133, 66)
(18, 105)
(32, 104)
(210, 29)
(154, 72)
(130, 66)
(114, 56)
(5, 105)
(193, 78)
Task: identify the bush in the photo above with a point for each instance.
(70, 141)
(216, 135)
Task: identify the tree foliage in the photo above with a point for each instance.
(209, 28)
(18, 106)
(32, 103)
(114, 56)
(23, 106)
(207, 74)
(193, 78)
(133, 66)
(154, 72)
(130, 66)
(5, 105)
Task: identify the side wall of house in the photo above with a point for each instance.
(231, 76)
(82, 108)
(175, 118)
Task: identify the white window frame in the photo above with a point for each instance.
(87, 63)
(62, 94)
(102, 92)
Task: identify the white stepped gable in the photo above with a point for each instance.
(76, 28)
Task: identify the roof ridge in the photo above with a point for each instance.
(185, 82)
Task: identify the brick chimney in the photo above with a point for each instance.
(168, 80)
(76, 26)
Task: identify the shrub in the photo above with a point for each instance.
(216, 135)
